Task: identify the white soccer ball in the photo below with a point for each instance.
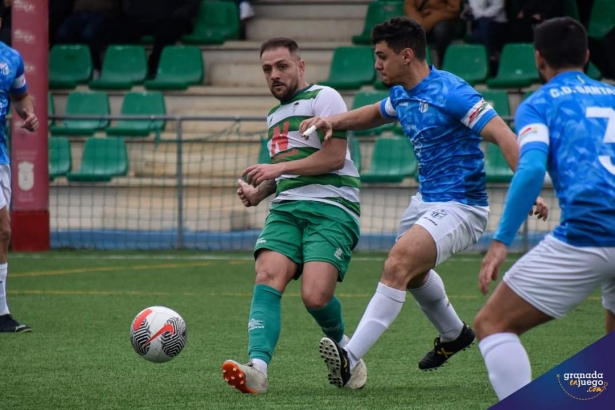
(158, 334)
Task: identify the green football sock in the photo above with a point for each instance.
(329, 318)
(265, 322)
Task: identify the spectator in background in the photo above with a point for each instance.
(532, 13)
(59, 10)
(165, 20)
(87, 25)
(5, 22)
(245, 9)
(438, 18)
(489, 27)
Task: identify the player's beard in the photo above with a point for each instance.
(287, 92)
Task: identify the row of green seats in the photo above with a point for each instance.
(97, 104)
(125, 66)
(102, 160)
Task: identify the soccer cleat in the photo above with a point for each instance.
(244, 377)
(10, 325)
(358, 376)
(443, 351)
(337, 361)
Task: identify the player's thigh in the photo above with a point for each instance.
(278, 250)
(331, 235)
(5, 186)
(318, 283)
(555, 277)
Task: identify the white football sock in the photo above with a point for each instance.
(432, 300)
(4, 308)
(507, 363)
(344, 341)
(260, 365)
(380, 313)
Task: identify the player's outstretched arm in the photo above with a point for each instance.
(362, 118)
(24, 106)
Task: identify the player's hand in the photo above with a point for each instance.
(248, 194)
(256, 174)
(320, 124)
(541, 209)
(490, 267)
(30, 123)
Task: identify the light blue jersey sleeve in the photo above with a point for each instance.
(387, 110)
(527, 182)
(469, 107)
(19, 85)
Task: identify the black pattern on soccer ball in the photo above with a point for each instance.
(140, 337)
(173, 343)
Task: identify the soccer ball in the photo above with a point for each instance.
(158, 334)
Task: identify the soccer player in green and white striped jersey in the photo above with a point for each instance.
(313, 224)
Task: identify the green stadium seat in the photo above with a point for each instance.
(101, 161)
(496, 167)
(602, 19)
(498, 100)
(593, 72)
(378, 83)
(351, 67)
(517, 67)
(60, 158)
(69, 66)
(92, 103)
(123, 67)
(263, 156)
(51, 110)
(392, 160)
(355, 152)
(468, 61)
(378, 12)
(140, 103)
(179, 68)
(361, 99)
(215, 23)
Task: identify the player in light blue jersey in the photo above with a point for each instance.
(13, 89)
(567, 127)
(446, 120)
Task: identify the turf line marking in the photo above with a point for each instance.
(197, 294)
(107, 269)
(233, 258)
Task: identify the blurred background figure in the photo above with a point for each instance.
(531, 13)
(87, 24)
(489, 27)
(439, 19)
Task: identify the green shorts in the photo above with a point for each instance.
(310, 231)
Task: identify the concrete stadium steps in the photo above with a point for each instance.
(306, 9)
(305, 29)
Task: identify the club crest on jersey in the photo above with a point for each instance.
(295, 105)
(4, 68)
(423, 106)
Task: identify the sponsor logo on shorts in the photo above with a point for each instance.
(439, 214)
(582, 386)
(261, 241)
(339, 254)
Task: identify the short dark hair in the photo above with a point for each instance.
(400, 33)
(280, 42)
(562, 42)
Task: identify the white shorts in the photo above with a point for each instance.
(555, 277)
(5, 185)
(453, 226)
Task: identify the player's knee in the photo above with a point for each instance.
(5, 232)
(315, 300)
(397, 272)
(265, 276)
(485, 324)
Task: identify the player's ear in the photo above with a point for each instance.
(541, 64)
(301, 66)
(407, 55)
(587, 54)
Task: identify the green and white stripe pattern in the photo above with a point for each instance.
(285, 143)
